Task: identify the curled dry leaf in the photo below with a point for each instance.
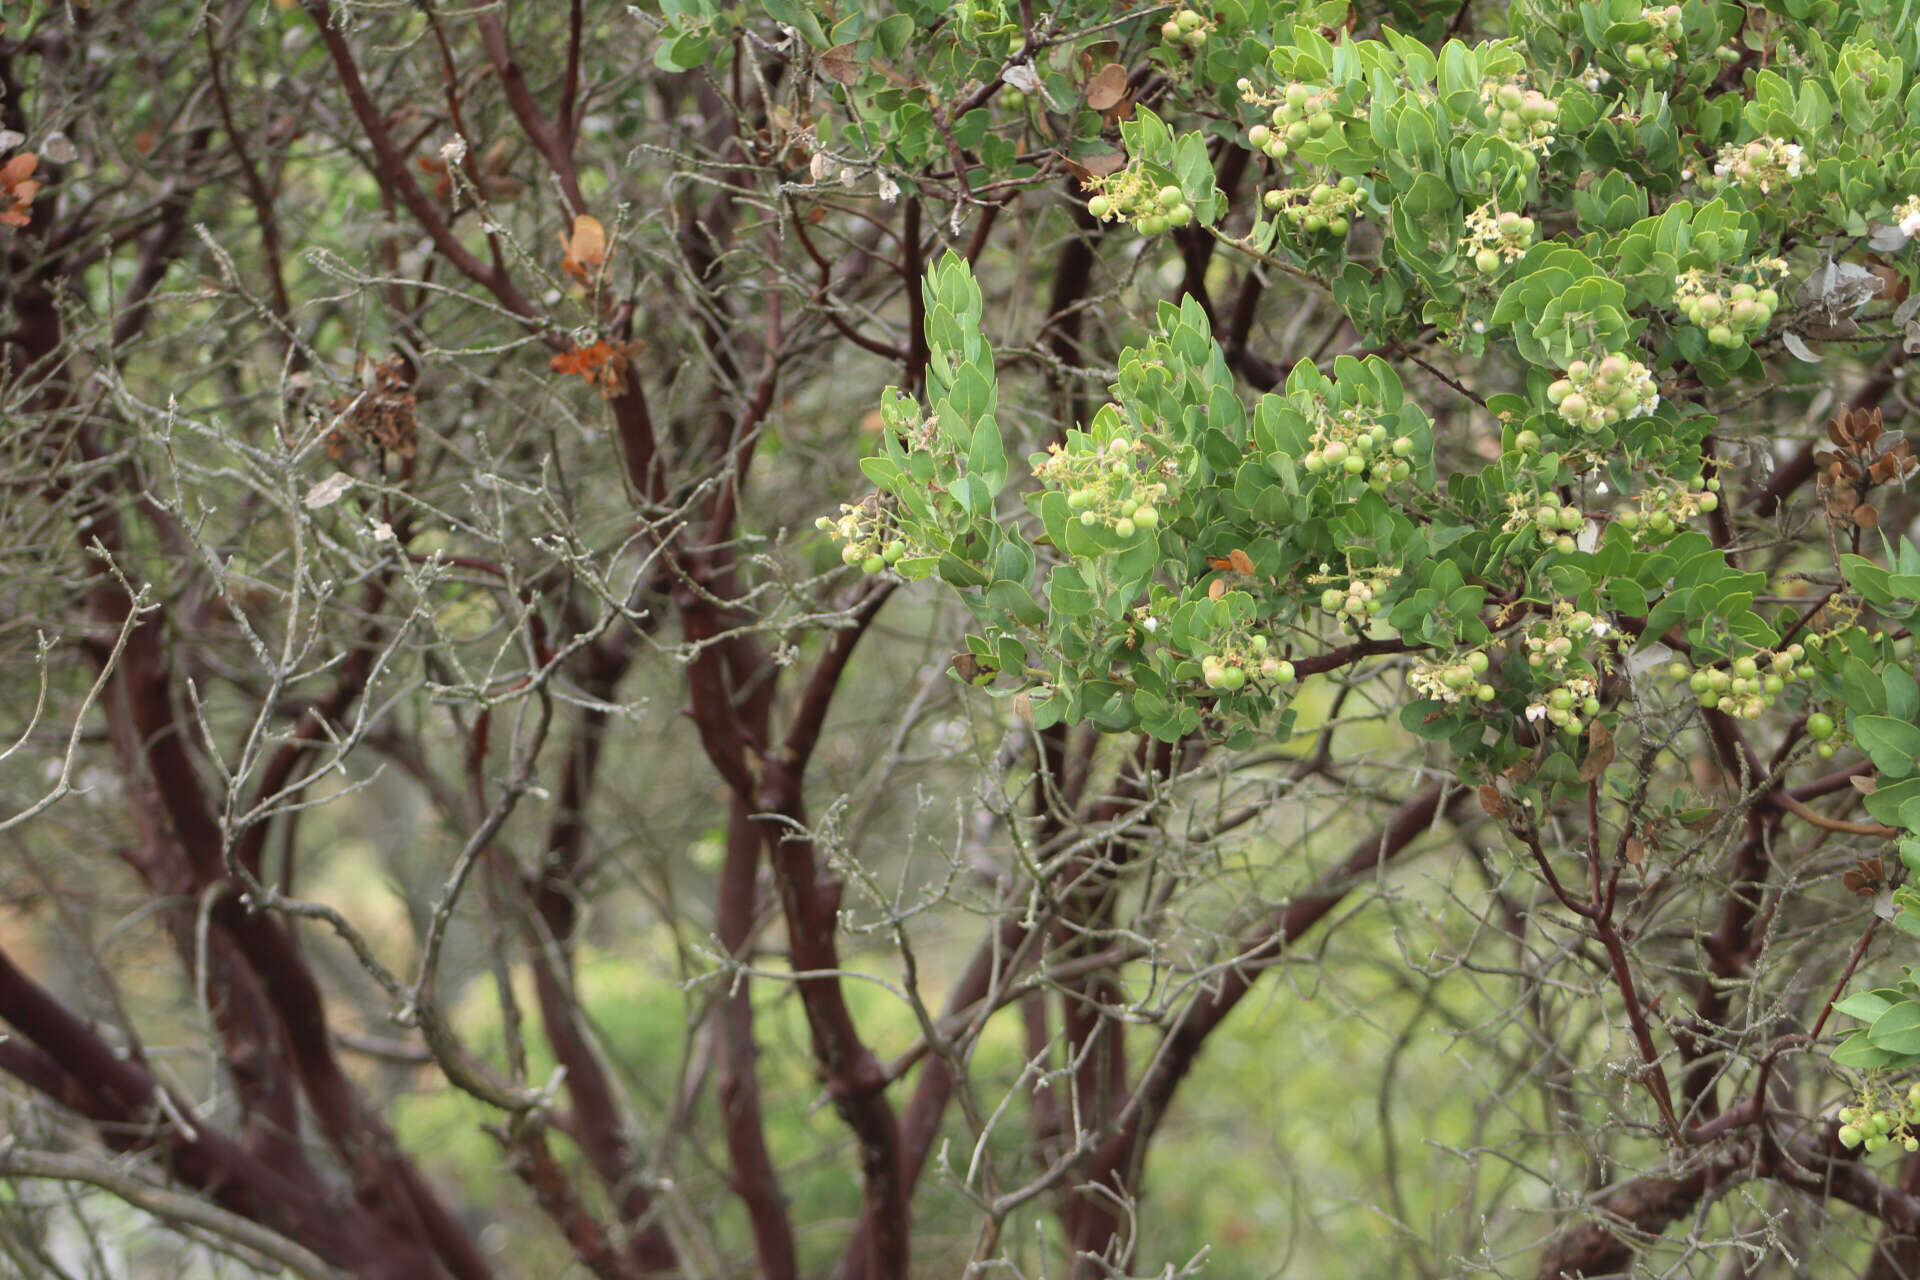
(586, 249)
(328, 491)
(18, 186)
(1492, 803)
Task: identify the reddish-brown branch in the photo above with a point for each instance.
(555, 893)
(553, 143)
(1119, 1161)
(755, 1179)
(394, 176)
(121, 1098)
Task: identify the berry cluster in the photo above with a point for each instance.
(1300, 111)
(1762, 163)
(1103, 482)
(1521, 115)
(1362, 597)
(1496, 237)
(1596, 395)
(1822, 728)
(1133, 196)
(1323, 208)
(1228, 671)
(1730, 314)
(1661, 511)
(1570, 679)
(1873, 1124)
(1742, 691)
(1660, 54)
(1453, 679)
(1354, 445)
(869, 536)
(1557, 525)
(1187, 27)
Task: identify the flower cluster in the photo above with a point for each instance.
(868, 534)
(1496, 237)
(1762, 163)
(1599, 394)
(1104, 484)
(1351, 443)
(1660, 511)
(1324, 207)
(1521, 115)
(1299, 112)
(1906, 216)
(1873, 1123)
(1730, 314)
(1742, 691)
(1133, 196)
(1453, 679)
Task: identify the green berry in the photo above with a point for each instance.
(1820, 727)
(873, 564)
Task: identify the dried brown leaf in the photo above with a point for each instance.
(840, 63)
(1108, 87)
(1599, 751)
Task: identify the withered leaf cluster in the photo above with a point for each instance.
(1866, 454)
(381, 414)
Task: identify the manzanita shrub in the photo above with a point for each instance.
(1623, 226)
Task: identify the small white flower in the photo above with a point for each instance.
(1601, 626)
(454, 150)
(889, 189)
(381, 531)
(1151, 624)
(1536, 711)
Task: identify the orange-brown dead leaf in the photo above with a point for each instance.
(600, 364)
(17, 185)
(586, 250)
